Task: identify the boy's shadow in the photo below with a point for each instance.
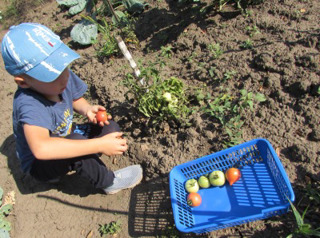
(70, 184)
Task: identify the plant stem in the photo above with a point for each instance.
(108, 3)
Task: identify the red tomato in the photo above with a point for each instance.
(233, 175)
(194, 199)
(101, 116)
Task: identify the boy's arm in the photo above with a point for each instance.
(84, 108)
(81, 106)
(45, 147)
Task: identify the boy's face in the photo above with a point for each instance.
(49, 90)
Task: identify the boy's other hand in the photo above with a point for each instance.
(92, 112)
(113, 144)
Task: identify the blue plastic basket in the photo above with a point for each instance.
(263, 190)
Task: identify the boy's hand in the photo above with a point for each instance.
(92, 112)
(113, 144)
(82, 106)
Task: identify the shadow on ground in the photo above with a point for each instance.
(163, 26)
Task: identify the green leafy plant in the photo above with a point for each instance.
(247, 44)
(219, 107)
(234, 130)
(212, 72)
(252, 30)
(248, 99)
(134, 6)
(157, 98)
(229, 75)
(190, 58)
(247, 13)
(86, 31)
(108, 45)
(215, 50)
(240, 4)
(228, 109)
(303, 229)
(6, 206)
(75, 6)
(129, 35)
(166, 51)
(111, 228)
(225, 109)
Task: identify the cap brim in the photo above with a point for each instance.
(50, 68)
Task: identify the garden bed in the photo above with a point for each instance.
(270, 49)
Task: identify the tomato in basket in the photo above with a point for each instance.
(233, 175)
(194, 199)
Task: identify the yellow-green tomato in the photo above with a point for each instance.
(192, 186)
(203, 182)
(217, 178)
(167, 97)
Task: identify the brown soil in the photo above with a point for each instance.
(283, 65)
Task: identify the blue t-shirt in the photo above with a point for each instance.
(30, 107)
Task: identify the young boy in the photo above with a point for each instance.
(48, 144)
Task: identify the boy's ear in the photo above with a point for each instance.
(21, 81)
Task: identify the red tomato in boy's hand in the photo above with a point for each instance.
(101, 116)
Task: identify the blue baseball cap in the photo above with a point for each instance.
(33, 49)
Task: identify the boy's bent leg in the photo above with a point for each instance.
(98, 131)
(49, 170)
(88, 166)
(112, 127)
(95, 171)
(92, 168)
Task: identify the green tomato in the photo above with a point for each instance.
(192, 186)
(203, 182)
(167, 97)
(217, 178)
(174, 101)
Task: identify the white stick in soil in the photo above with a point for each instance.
(128, 56)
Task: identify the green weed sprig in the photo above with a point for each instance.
(6, 206)
(111, 228)
(108, 44)
(252, 30)
(303, 229)
(248, 99)
(229, 75)
(215, 50)
(166, 51)
(247, 44)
